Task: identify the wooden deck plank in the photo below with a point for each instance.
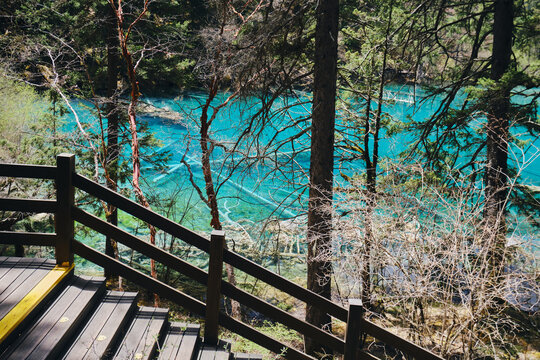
(148, 345)
(20, 287)
(16, 270)
(69, 322)
(3, 267)
(172, 341)
(189, 343)
(7, 265)
(222, 354)
(139, 326)
(46, 334)
(186, 342)
(28, 340)
(32, 300)
(207, 352)
(104, 326)
(247, 357)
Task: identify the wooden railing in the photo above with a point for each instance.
(66, 213)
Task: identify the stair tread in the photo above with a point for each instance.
(44, 339)
(241, 356)
(19, 281)
(7, 264)
(104, 326)
(141, 340)
(213, 352)
(180, 342)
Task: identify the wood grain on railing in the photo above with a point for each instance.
(27, 238)
(131, 207)
(262, 339)
(28, 205)
(28, 171)
(396, 341)
(146, 281)
(202, 243)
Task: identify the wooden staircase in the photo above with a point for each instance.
(75, 317)
(89, 332)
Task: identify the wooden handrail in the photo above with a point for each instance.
(352, 335)
(66, 213)
(28, 205)
(144, 247)
(27, 238)
(397, 341)
(149, 216)
(213, 288)
(262, 339)
(121, 269)
(188, 302)
(285, 285)
(175, 263)
(192, 238)
(65, 199)
(28, 171)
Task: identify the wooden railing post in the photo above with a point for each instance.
(352, 336)
(65, 198)
(213, 290)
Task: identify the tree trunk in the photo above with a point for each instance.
(111, 248)
(132, 118)
(497, 132)
(211, 198)
(319, 266)
(371, 168)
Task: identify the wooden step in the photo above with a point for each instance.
(26, 287)
(180, 342)
(105, 326)
(239, 356)
(19, 276)
(215, 352)
(48, 335)
(142, 338)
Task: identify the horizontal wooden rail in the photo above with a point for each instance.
(27, 238)
(283, 284)
(28, 171)
(283, 317)
(192, 238)
(177, 264)
(396, 341)
(201, 276)
(146, 248)
(264, 340)
(121, 269)
(191, 304)
(149, 216)
(28, 205)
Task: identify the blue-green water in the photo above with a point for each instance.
(266, 186)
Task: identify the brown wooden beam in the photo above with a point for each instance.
(28, 171)
(28, 205)
(65, 197)
(213, 290)
(27, 238)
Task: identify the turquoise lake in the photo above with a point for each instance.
(253, 193)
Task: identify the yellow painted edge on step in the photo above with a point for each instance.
(16, 315)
